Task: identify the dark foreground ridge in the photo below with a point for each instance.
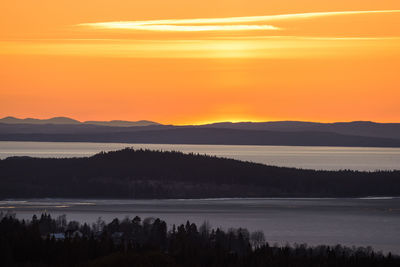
(132, 242)
(132, 173)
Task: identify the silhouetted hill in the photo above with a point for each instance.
(55, 120)
(196, 135)
(153, 174)
(69, 121)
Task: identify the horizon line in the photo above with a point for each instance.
(232, 121)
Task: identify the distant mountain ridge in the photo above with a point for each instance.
(291, 133)
(55, 120)
(66, 120)
(359, 128)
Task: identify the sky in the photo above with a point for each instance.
(193, 62)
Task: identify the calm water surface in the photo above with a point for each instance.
(361, 222)
(327, 158)
(371, 222)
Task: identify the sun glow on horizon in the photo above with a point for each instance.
(221, 120)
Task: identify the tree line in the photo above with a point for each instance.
(44, 241)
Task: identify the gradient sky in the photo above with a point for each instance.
(185, 62)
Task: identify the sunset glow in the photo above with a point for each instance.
(186, 63)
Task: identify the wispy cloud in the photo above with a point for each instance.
(129, 25)
(220, 24)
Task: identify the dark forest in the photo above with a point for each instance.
(132, 173)
(44, 241)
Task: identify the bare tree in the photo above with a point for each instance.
(61, 222)
(257, 239)
(205, 228)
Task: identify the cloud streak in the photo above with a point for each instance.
(219, 24)
(177, 28)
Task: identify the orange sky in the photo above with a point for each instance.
(186, 62)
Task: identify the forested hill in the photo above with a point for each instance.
(154, 174)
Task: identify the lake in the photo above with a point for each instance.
(309, 157)
(371, 222)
